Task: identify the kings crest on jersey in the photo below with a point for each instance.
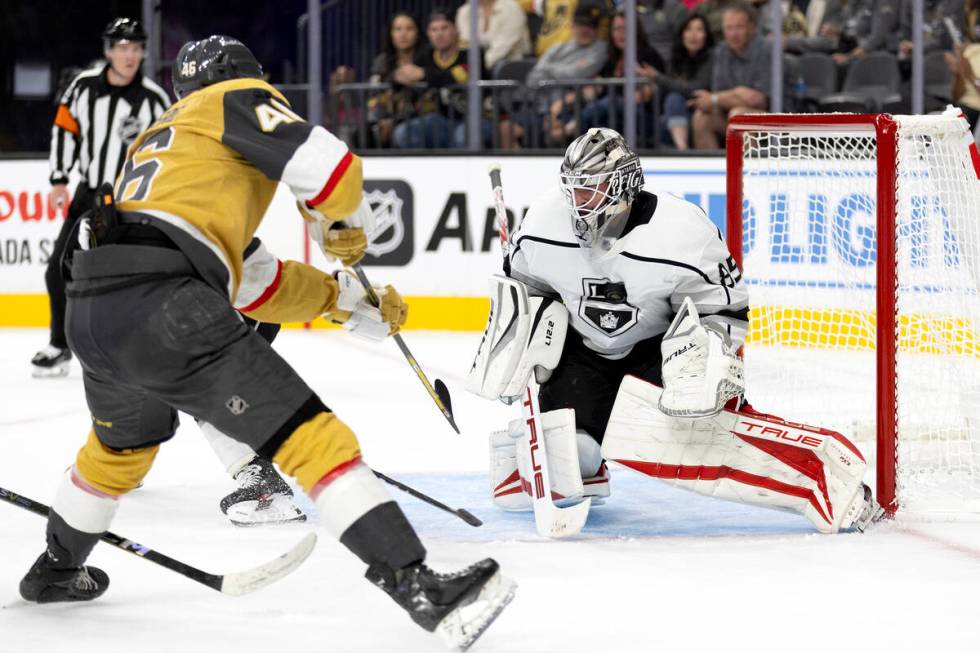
(668, 250)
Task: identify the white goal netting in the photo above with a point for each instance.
(810, 248)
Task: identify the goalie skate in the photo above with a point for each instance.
(262, 497)
(51, 362)
(865, 509)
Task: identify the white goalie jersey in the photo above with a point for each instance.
(668, 250)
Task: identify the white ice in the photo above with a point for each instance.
(656, 569)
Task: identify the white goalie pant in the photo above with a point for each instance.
(572, 456)
(739, 456)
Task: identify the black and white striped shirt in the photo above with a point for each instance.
(96, 122)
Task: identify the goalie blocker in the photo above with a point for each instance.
(742, 456)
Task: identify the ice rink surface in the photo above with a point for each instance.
(656, 569)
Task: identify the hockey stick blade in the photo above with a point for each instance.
(552, 521)
(235, 584)
(443, 393)
(437, 395)
(246, 582)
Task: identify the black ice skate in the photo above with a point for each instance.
(262, 497)
(46, 584)
(460, 606)
(51, 362)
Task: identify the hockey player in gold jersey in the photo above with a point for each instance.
(176, 256)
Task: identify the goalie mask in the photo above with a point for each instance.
(600, 177)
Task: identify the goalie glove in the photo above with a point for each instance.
(701, 368)
(356, 313)
(341, 240)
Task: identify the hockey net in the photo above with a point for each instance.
(859, 239)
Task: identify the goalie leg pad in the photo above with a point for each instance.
(523, 335)
(511, 466)
(740, 456)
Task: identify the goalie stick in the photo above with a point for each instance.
(439, 393)
(234, 584)
(549, 519)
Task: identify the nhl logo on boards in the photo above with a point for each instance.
(390, 230)
(236, 405)
(392, 242)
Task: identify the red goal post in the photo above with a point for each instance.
(788, 171)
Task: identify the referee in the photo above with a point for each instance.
(100, 114)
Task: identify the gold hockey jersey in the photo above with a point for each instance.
(205, 173)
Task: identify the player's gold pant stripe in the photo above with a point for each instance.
(110, 471)
(318, 446)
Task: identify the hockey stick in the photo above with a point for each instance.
(235, 584)
(439, 393)
(549, 519)
(465, 515)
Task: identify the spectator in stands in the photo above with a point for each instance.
(690, 71)
(793, 16)
(964, 63)
(400, 48)
(824, 24)
(935, 35)
(606, 101)
(713, 10)
(660, 20)
(441, 64)
(503, 34)
(557, 18)
(740, 80)
(867, 26)
(579, 58)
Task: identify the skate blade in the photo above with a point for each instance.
(55, 372)
(464, 625)
(282, 510)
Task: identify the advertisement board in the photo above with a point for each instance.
(438, 247)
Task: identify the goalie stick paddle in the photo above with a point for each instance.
(465, 515)
(549, 519)
(234, 584)
(440, 393)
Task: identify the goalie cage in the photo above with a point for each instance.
(859, 239)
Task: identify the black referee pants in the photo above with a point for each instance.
(81, 202)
